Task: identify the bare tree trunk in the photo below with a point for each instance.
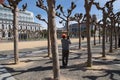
(88, 30)
(15, 30)
(79, 35)
(111, 37)
(103, 36)
(67, 24)
(99, 36)
(95, 35)
(116, 40)
(106, 33)
(49, 42)
(51, 20)
(89, 61)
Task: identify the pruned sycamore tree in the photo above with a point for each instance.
(111, 16)
(13, 5)
(53, 35)
(78, 18)
(94, 22)
(41, 5)
(87, 5)
(104, 12)
(99, 26)
(65, 16)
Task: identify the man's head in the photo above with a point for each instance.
(64, 35)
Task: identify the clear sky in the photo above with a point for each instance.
(66, 4)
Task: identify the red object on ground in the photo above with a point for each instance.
(1, 1)
(64, 35)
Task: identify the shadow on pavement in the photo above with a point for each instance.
(108, 73)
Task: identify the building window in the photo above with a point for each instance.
(21, 27)
(9, 27)
(9, 34)
(2, 26)
(3, 34)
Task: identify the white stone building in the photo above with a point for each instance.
(27, 27)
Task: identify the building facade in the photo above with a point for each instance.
(27, 28)
(74, 29)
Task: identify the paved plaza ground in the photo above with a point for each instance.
(35, 66)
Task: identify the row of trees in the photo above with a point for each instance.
(52, 11)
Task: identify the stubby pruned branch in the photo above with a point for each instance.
(18, 1)
(59, 15)
(91, 3)
(117, 15)
(98, 6)
(59, 7)
(78, 17)
(88, 4)
(64, 16)
(39, 17)
(109, 6)
(13, 4)
(40, 4)
(73, 6)
(24, 6)
(4, 5)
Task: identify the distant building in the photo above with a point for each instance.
(60, 31)
(74, 29)
(27, 27)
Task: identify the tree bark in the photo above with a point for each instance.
(107, 33)
(89, 61)
(49, 42)
(95, 35)
(99, 35)
(51, 20)
(111, 37)
(79, 35)
(15, 30)
(88, 30)
(116, 36)
(67, 24)
(103, 36)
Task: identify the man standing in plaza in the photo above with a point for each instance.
(65, 49)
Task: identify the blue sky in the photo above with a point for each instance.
(66, 4)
